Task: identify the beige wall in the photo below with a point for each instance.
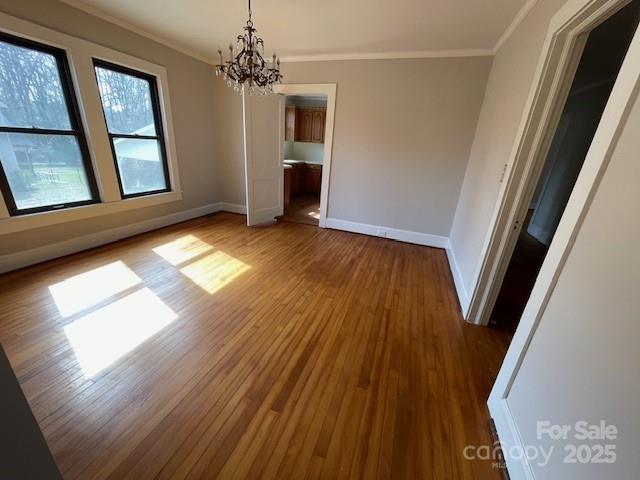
(402, 134)
(403, 130)
(229, 144)
(509, 83)
(193, 103)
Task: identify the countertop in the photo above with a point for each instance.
(291, 161)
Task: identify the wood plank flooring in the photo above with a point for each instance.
(280, 352)
(303, 209)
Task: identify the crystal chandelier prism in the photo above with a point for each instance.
(246, 70)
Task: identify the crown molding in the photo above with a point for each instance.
(387, 55)
(486, 52)
(137, 30)
(517, 20)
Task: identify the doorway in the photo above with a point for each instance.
(303, 152)
(600, 63)
(264, 135)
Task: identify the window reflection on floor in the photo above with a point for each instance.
(118, 312)
(82, 291)
(214, 271)
(183, 249)
(104, 335)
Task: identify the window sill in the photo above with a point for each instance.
(45, 219)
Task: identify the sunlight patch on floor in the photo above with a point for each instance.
(90, 288)
(183, 249)
(105, 335)
(214, 271)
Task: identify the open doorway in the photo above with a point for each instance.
(600, 63)
(264, 137)
(303, 151)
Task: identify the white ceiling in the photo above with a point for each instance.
(300, 29)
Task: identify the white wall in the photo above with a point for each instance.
(508, 87)
(583, 362)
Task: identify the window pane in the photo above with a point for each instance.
(140, 164)
(31, 92)
(126, 101)
(43, 169)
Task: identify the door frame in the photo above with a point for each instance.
(561, 55)
(574, 19)
(328, 89)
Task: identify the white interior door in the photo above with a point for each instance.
(263, 139)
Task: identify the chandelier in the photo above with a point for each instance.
(247, 70)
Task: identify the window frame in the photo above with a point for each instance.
(157, 119)
(80, 54)
(77, 130)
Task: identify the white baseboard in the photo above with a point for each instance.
(510, 440)
(387, 232)
(463, 296)
(232, 208)
(408, 236)
(25, 258)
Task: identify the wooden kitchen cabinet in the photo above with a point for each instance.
(296, 180)
(305, 124)
(290, 123)
(317, 127)
(302, 179)
(312, 179)
(287, 187)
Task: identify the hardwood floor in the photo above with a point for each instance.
(279, 352)
(302, 209)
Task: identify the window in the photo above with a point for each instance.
(130, 104)
(47, 159)
(44, 159)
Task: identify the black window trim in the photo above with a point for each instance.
(77, 130)
(157, 118)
